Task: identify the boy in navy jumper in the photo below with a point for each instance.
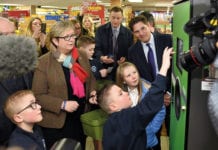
(124, 128)
(24, 111)
(87, 44)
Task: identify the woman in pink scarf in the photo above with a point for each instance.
(62, 84)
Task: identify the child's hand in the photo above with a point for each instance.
(166, 60)
(93, 97)
(103, 72)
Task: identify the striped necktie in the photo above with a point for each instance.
(115, 45)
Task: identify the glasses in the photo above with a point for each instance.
(33, 105)
(68, 37)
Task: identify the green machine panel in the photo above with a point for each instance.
(179, 78)
(190, 125)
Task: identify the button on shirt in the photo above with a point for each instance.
(134, 96)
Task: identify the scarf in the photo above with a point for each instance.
(77, 69)
(78, 75)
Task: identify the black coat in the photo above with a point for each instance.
(27, 140)
(136, 55)
(103, 39)
(125, 129)
(8, 87)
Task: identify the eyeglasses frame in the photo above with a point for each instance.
(32, 105)
(68, 36)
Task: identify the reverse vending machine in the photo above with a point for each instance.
(190, 125)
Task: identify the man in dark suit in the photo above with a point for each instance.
(139, 52)
(9, 86)
(112, 51)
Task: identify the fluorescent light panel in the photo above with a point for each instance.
(11, 5)
(135, 1)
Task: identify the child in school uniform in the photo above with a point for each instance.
(125, 127)
(24, 111)
(87, 44)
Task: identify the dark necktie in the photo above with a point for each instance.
(115, 32)
(151, 59)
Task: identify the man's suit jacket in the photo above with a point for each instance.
(8, 87)
(50, 88)
(103, 40)
(136, 55)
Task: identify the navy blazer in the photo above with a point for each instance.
(103, 39)
(136, 55)
(8, 87)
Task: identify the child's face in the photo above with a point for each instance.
(90, 50)
(131, 76)
(119, 98)
(30, 110)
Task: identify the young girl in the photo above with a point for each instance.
(128, 78)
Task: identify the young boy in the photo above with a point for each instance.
(24, 111)
(87, 44)
(124, 128)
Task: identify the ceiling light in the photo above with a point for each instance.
(11, 4)
(135, 1)
(53, 7)
(105, 4)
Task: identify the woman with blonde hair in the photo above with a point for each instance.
(34, 30)
(88, 25)
(63, 83)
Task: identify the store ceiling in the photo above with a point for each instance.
(151, 5)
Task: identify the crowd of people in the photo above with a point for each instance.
(82, 67)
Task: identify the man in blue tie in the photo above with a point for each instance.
(147, 52)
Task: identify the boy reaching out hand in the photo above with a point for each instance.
(124, 128)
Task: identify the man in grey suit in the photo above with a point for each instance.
(139, 52)
(112, 41)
